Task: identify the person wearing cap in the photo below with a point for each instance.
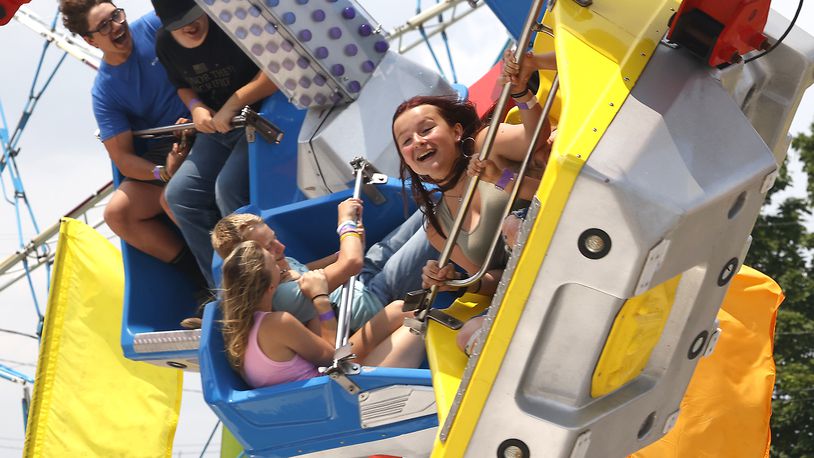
(215, 79)
(132, 92)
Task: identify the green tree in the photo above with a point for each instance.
(782, 248)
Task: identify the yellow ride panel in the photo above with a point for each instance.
(447, 361)
(635, 332)
(600, 55)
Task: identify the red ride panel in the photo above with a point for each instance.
(8, 8)
(743, 22)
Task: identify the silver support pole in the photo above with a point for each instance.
(555, 85)
(346, 301)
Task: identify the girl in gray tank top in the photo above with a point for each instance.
(436, 136)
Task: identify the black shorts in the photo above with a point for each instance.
(157, 154)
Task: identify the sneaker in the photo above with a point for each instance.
(191, 323)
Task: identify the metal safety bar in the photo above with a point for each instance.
(247, 118)
(555, 85)
(346, 301)
(343, 365)
(422, 303)
(552, 93)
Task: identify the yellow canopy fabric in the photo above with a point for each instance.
(726, 409)
(229, 446)
(88, 399)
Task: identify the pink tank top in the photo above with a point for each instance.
(259, 370)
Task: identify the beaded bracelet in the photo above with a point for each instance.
(325, 316)
(345, 224)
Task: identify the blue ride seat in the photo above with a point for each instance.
(310, 415)
(273, 168)
(157, 296)
(316, 414)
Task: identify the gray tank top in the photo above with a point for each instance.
(475, 244)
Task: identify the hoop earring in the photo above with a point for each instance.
(463, 147)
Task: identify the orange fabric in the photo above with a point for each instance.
(726, 409)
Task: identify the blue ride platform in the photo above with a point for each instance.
(157, 296)
(318, 414)
(311, 415)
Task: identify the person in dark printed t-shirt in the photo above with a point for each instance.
(215, 80)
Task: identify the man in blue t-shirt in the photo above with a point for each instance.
(132, 92)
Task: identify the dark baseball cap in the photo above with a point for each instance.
(175, 14)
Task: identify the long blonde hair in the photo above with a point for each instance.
(245, 280)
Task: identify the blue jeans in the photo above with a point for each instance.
(393, 266)
(212, 182)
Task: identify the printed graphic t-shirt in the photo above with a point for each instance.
(214, 70)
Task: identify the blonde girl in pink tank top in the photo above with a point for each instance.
(268, 347)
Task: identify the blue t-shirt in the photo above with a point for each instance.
(136, 94)
(289, 298)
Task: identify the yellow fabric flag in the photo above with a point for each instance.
(229, 446)
(726, 409)
(88, 399)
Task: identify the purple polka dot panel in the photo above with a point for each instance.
(318, 52)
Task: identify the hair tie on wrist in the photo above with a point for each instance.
(319, 295)
(193, 102)
(521, 93)
(325, 316)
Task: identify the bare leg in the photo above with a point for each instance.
(377, 329)
(166, 207)
(402, 348)
(467, 331)
(132, 214)
(510, 229)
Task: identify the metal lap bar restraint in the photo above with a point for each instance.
(248, 118)
(424, 306)
(342, 366)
